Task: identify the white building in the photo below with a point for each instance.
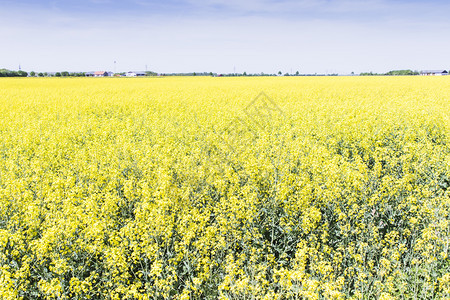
(433, 72)
(135, 74)
(100, 74)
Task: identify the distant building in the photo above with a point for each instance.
(433, 72)
(135, 74)
(100, 74)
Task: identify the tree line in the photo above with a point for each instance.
(392, 73)
(9, 73)
(20, 73)
(58, 74)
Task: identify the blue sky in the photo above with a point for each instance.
(321, 36)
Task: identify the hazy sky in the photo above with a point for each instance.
(320, 36)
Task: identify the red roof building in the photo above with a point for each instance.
(100, 74)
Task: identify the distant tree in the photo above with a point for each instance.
(22, 74)
(368, 74)
(245, 74)
(65, 74)
(8, 73)
(32, 73)
(57, 74)
(40, 74)
(297, 73)
(279, 73)
(402, 73)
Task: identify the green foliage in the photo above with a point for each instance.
(8, 73)
(391, 73)
(402, 73)
(77, 74)
(369, 74)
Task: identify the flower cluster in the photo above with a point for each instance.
(125, 189)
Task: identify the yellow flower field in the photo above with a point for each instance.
(203, 188)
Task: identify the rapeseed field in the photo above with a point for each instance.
(225, 188)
